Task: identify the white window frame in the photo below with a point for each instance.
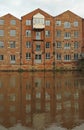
(13, 33)
(28, 22)
(28, 33)
(28, 56)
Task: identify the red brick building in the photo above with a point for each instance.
(10, 32)
(68, 40)
(37, 40)
(40, 41)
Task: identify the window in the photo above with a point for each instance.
(38, 21)
(58, 56)
(67, 57)
(37, 57)
(1, 22)
(1, 44)
(76, 56)
(75, 23)
(12, 32)
(28, 33)
(38, 47)
(67, 35)
(47, 55)
(13, 22)
(76, 45)
(47, 22)
(12, 44)
(67, 25)
(47, 44)
(12, 58)
(58, 23)
(28, 22)
(67, 46)
(76, 34)
(28, 44)
(38, 35)
(58, 33)
(28, 56)
(1, 57)
(47, 33)
(59, 45)
(1, 32)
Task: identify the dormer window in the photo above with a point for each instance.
(38, 21)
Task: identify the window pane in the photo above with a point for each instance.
(67, 35)
(76, 45)
(58, 23)
(1, 22)
(28, 22)
(67, 46)
(12, 32)
(59, 45)
(28, 44)
(67, 25)
(13, 22)
(47, 33)
(1, 32)
(47, 22)
(28, 33)
(58, 56)
(12, 58)
(76, 56)
(12, 44)
(47, 55)
(58, 33)
(28, 56)
(47, 45)
(1, 57)
(75, 23)
(1, 44)
(76, 34)
(38, 47)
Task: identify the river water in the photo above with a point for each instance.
(42, 101)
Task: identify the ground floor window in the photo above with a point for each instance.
(1, 57)
(28, 56)
(76, 56)
(67, 57)
(58, 56)
(12, 58)
(47, 55)
(38, 57)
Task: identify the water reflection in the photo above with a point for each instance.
(41, 100)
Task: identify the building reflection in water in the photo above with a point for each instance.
(39, 100)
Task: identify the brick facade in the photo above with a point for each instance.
(10, 31)
(40, 41)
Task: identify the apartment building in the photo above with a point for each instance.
(10, 27)
(40, 41)
(37, 40)
(68, 40)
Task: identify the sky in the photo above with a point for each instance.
(19, 8)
